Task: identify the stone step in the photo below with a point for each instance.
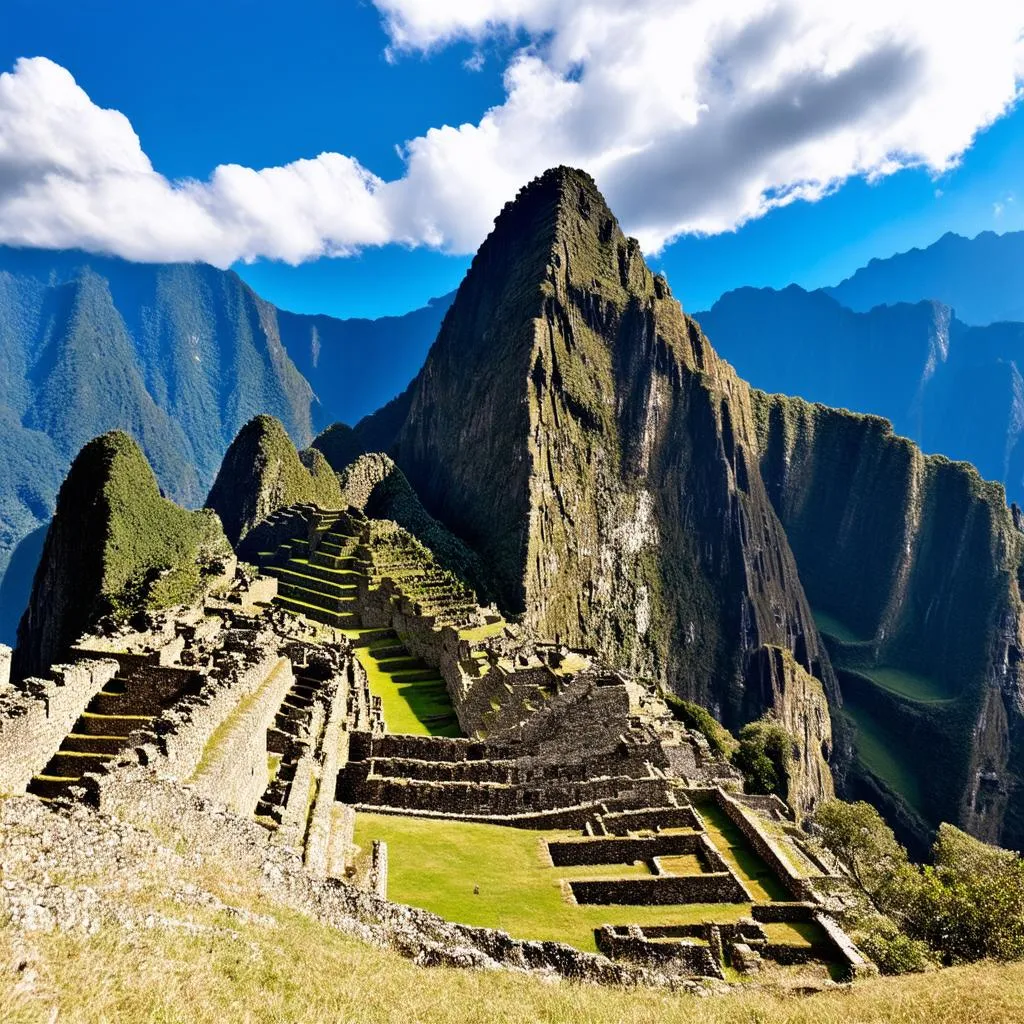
(292, 574)
(93, 724)
(328, 602)
(67, 764)
(82, 743)
(340, 620)
(375, 638)
(52, 787)
(399, 663)
(419, 675)
(329, 561)
(107, 703)
(389, 650)
(302, 566)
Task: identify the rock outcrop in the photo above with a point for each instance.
(263, 472)
(115, 546)
(577, 430)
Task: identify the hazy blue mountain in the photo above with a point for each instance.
(982, 278)
(954, 389)
(178, 355)
(356, 366)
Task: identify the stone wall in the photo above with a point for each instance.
(139, 796)
(795, 884)
(36, 715)
(233, 770)
(635, 945)
(182, 733)
(622, 850)
(334, 747)
(650, 818)
(663, 890)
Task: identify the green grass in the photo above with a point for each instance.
(834, 628)
(436, 864)
(877, 749)
(908, 684)
(482, 632)
(732, 845)
(795, 933)
(419, 707)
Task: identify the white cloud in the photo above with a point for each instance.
(693, 117)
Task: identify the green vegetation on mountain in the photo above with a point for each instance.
(966, 905)
(375, 485)
(115, 546)
(179, 356)
(263, 472)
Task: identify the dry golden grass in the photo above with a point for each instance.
(298, 970)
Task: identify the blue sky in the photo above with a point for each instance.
(261, 84)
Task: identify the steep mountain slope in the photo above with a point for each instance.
(263, 472)
(379, 356)
(115, 545)
(577, 430)
(913, 565)
(955, 390)
(982, 278)
(179, 356)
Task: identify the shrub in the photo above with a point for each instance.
(764, 754)
(694, 716)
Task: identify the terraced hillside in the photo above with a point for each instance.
(320, 577)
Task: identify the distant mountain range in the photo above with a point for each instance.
(180, 356)
(982, 278)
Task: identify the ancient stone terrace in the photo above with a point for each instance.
(278, 699)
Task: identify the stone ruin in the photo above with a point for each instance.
(259, 701)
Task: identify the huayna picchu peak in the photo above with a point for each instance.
(556, 664)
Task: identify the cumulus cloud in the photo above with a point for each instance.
(693, 117)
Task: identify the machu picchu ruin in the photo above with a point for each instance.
(549, 666)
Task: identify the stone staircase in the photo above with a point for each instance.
(297, 728)
(126, 704)
(318, 577)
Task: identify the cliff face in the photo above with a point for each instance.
(911, 563)
(953, 389)
(262, 472)
(114, 546)
(577, 430)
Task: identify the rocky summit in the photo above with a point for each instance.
(555, 665)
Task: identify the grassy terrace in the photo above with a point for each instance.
(833, 627)
(731, 844)
(437, 864)
(878, 750)
(475, 633)
(908, 684)
(413, 705)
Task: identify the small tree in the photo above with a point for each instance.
(858, 836)
(969, 904)
(764, 755)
